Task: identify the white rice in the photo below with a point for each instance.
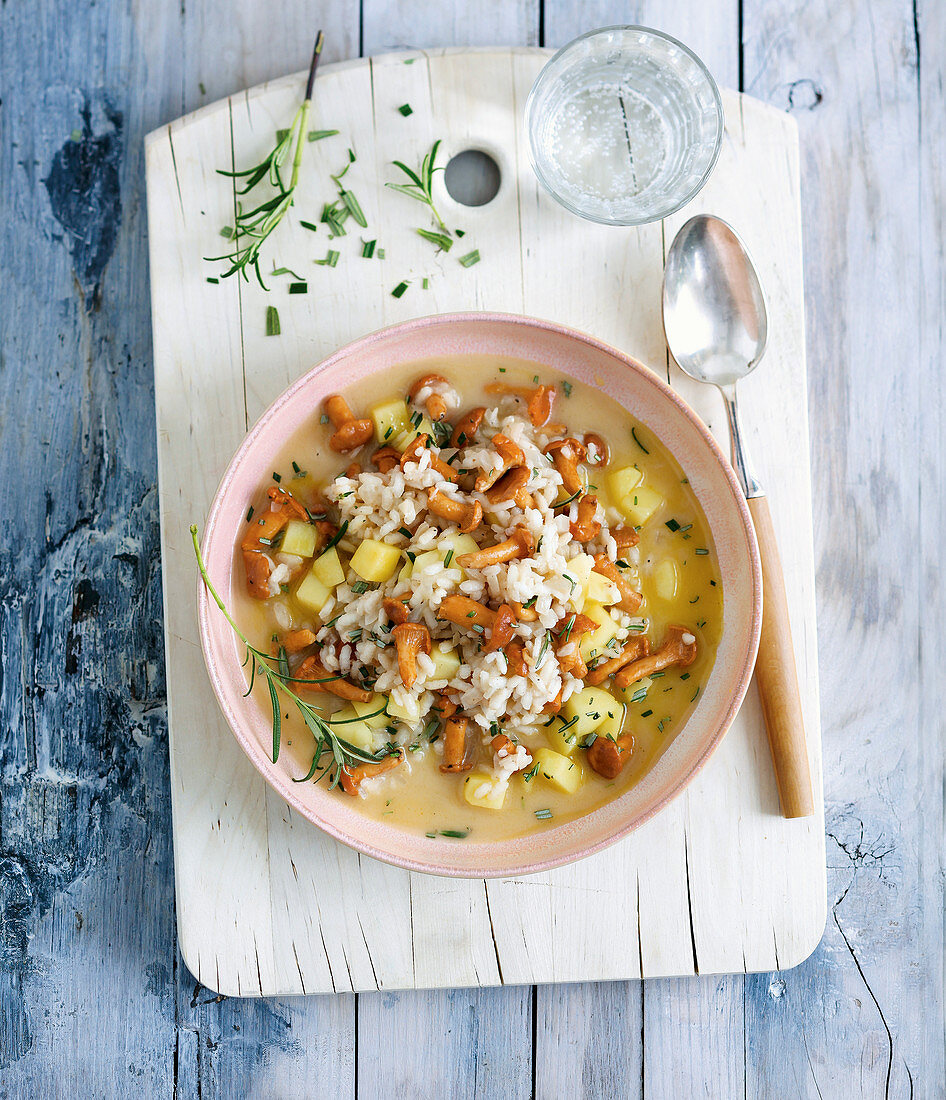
(378, 506)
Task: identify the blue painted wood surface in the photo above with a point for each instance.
(94, 1000)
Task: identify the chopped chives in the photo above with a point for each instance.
(211, 279)
(318, 135)
(470, 258)
(567, 387)
(442, 240)
(404, 531)
(354, 207)
(459, 232)
(331, 259)
(543, 815)
(299, 288)
(398, 291)
(380, 253)
(448, 559)
(406, 109)
(249, 514)
(285, 271)
(309, 225)
(272, 321)
(458, 834)
(227, 231)
(672, 524)
(367, 249)
(646, 713)
(638, 442)
(701, 550)
(277, 477)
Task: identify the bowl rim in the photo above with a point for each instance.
(254, 750)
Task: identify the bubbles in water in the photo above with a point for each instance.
(624, 125)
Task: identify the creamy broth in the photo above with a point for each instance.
(675, 570)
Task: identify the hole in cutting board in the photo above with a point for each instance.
(472, 178)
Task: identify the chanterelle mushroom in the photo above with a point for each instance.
(679, 648)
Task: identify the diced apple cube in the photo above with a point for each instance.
(312, 593)
(621, 482)
(390, 419)
(565, 774)
(603, 590)
(640, 504)
(328, 568)
(300, 538)
(595, 642)
(579, 570)
(375, 561)
(480, 789)
(373, 712)
(350, 727)
(446, 662)
(589, 709)
(666, 579)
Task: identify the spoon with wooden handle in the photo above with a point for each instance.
(716, 327)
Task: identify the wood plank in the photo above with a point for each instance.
(85, 863)
(423, 24)
(447, 1044)
(710, 30)
(864, 102)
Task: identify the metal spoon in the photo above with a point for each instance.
(716, 327)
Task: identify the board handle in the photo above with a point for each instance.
(777, 677)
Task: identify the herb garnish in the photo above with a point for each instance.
(638, 442)
(257, 224)
(277, 680)
(470, 258)
(398, 291)
(272, 321)
(421, 185)
(442, 240)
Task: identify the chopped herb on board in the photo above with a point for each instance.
(299, 288)
(272, 321)
(331, 259)
(318, 135)
(253, 226)
(420, 185)
(470, 258)
(398, 291)
(367, 249)
(405, 109)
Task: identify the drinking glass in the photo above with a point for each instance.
(625, 125)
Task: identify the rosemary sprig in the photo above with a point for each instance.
(342, 752)
(254, 226)
(421, 185)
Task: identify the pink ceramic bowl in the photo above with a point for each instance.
(653, 403)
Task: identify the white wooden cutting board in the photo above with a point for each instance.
(268, 905)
